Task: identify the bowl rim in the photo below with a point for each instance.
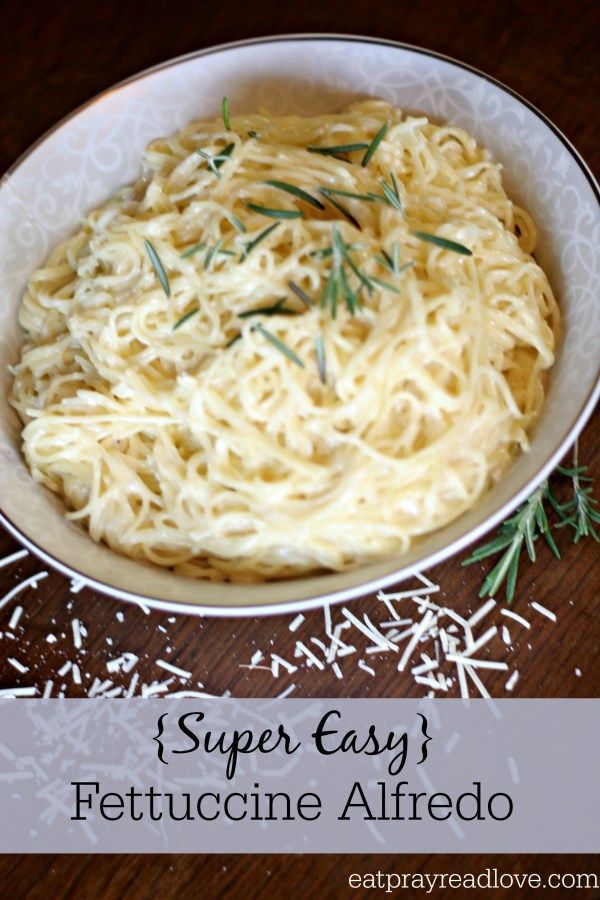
(498, 515)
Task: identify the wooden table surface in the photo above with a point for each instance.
(58, 56)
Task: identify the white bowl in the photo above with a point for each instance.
(87, 156)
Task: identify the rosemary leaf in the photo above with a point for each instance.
(321, 365)
(158, 267)
(333, 290)
(342, 209)
(187, 316)
(224, 155)
(211, 254)
(338, 149)
(283, 348)
(273, 310)
(215, 162)
(237, 223)
(225, 113)
(330, 293)
(351, 297)
(384, 284)
(442, 242)
(204, 155)
(573, 471)
(191, 250)
(385, 260)
(552, 544)
(369, 198)
(295, 191)
(490, 549)
(322, 253)
(375, 144)
(275, 213)
(260, 237)
(511, 576)
(300, 293)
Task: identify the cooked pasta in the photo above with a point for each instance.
(293, 345)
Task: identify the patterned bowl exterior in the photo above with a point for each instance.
(97, 149)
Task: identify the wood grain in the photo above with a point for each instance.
(59, 55)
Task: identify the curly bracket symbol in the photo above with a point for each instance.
(157, 737)
(425, 735)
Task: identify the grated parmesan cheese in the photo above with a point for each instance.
(543, 611)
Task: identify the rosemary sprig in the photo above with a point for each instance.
(390, 196)
(158, 267)
(443, 242)
(392, 263)
(531, 521)
(260, 237)
(295, 191)
(580, 511)
(344, 251)
(273, 310)
(215, 162)
(275, 213)
(321, 365)
(274, 340)
(524, 528)
(185, 318)
(337, 286)
(341, 254)
(225, 113)
(374, 144)
(391, 193)
(339, 149)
